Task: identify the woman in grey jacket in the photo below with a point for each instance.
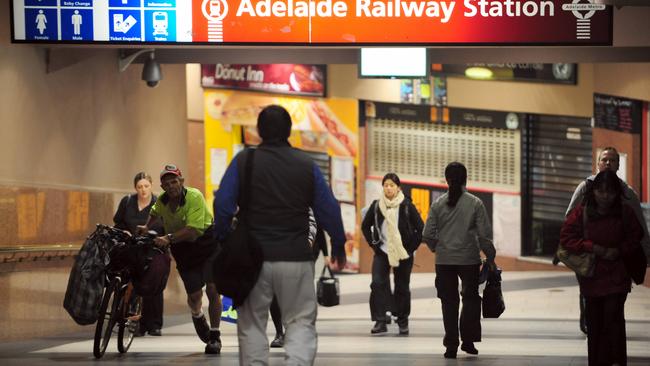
(457, 228)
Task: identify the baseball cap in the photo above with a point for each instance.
(170, 169)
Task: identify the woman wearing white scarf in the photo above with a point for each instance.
(393, 228)
(389, 209)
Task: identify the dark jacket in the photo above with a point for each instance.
(621, 231)
(285, 184)
(410, 230)
(128, 216)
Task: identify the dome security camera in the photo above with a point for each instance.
(151, 72)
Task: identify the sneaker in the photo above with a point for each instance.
(214, 343)
(469, 348)
(451, 352)
(403, 326)
(379, 327)
(202, 328)
(155, 332)
(278, 341)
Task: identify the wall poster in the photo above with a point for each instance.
(343, 178)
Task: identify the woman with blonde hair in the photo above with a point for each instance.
(133, 211)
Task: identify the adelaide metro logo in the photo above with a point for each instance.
(214, 11)
(583, 21)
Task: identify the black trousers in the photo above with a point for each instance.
(152, 312)
(470, 316)
(380, 295)
(606, 339)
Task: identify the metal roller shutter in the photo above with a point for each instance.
(557, 157)
(420, 152)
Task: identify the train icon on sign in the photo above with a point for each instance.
(214, 10)
(583, 21)
(160, 23)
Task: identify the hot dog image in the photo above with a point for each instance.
(306, 78)
(341, 140)
(241, 109)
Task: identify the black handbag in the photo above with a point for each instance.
(493, 303)
(327, 288)
(238, 259)
(153, 280)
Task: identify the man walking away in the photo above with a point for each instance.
(285, 183)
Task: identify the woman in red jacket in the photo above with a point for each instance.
(610, 230)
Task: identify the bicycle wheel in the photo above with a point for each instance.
(131, 320)
(107, 318)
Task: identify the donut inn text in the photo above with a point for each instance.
(442, 10)
(243, 73)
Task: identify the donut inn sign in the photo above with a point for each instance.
(333, 22)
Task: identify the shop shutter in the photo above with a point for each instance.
(419, 152)
(557, 156)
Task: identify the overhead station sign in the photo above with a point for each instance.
(317, 22)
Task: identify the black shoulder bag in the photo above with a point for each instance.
(239, 257)
(492, 302)
(376, 241)
(327, 288)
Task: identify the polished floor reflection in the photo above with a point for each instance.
(539, 327)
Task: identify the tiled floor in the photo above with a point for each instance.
(539, 327)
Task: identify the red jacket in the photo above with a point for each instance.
(623, 232)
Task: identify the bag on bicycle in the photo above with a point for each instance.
(153, 278)
(86, 284)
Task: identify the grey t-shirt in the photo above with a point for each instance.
(459, 232)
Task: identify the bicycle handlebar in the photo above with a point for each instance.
(109, 234)
(112, 241)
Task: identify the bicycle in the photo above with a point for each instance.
(120, 304)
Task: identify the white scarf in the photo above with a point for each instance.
(390, 209)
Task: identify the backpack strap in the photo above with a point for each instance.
(407, 216)
(584, 222)
(246, 193)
